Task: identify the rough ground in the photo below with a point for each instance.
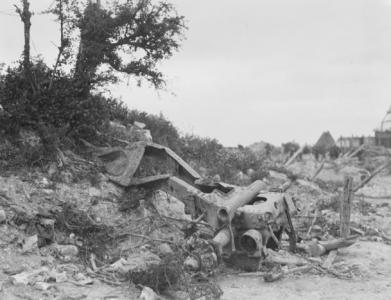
(372, 260)
(44, 273)
(369, 259)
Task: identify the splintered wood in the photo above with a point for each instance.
(293, 157)
(373, 174)
(345, 206)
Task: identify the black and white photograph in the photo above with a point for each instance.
(195, 149)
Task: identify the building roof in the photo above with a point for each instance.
(326, 141)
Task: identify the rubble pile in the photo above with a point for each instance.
(136, 217)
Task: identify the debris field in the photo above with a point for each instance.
(136, 221)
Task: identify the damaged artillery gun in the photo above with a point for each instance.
(243, 221)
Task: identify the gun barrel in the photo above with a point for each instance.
(238, 199)
(251, 241)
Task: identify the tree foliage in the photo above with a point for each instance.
(97, 44)
(130, 37)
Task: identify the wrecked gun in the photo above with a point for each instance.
(244, 219)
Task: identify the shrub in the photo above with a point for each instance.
(162, 130)
(290, 148)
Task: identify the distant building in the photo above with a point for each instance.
(325, 142)
(355, 141)
(383, 134)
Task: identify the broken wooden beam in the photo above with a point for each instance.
(293, 157)
(373, 174)
(318, 170)
(355, 152)
(270, 277)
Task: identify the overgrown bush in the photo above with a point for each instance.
(290, 148)
(58, 109)
(204, 152)
(307, 149)
(56, 105)
(210, 155)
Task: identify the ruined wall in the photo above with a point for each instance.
(383, 138)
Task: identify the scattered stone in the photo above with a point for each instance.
(47, 222)
(130, 133)
(13, 270)
(192, 264)
(82, 279)
(148, 294)
(165, 249)
(28, 277)
(139, 124)
(135, 263)
(30, 138)
(44, 182)
(178, 295)
(142, 134)
(30, 244)
(52, 169)
(67, 250)
(42, 286)
(3, 216)
(94, 192)
(59, 276)
(169, 206)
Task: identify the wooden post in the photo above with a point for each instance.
(345, 206)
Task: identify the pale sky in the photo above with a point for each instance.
(251, 70)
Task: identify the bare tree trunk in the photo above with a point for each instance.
(62, 44)
(25, 16)
(346, 203)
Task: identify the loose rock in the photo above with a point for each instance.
(67, 250)
(30, 244)
(165, 249)
(3, 216)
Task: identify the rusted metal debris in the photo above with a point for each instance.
(121, 163)
(244, 220)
